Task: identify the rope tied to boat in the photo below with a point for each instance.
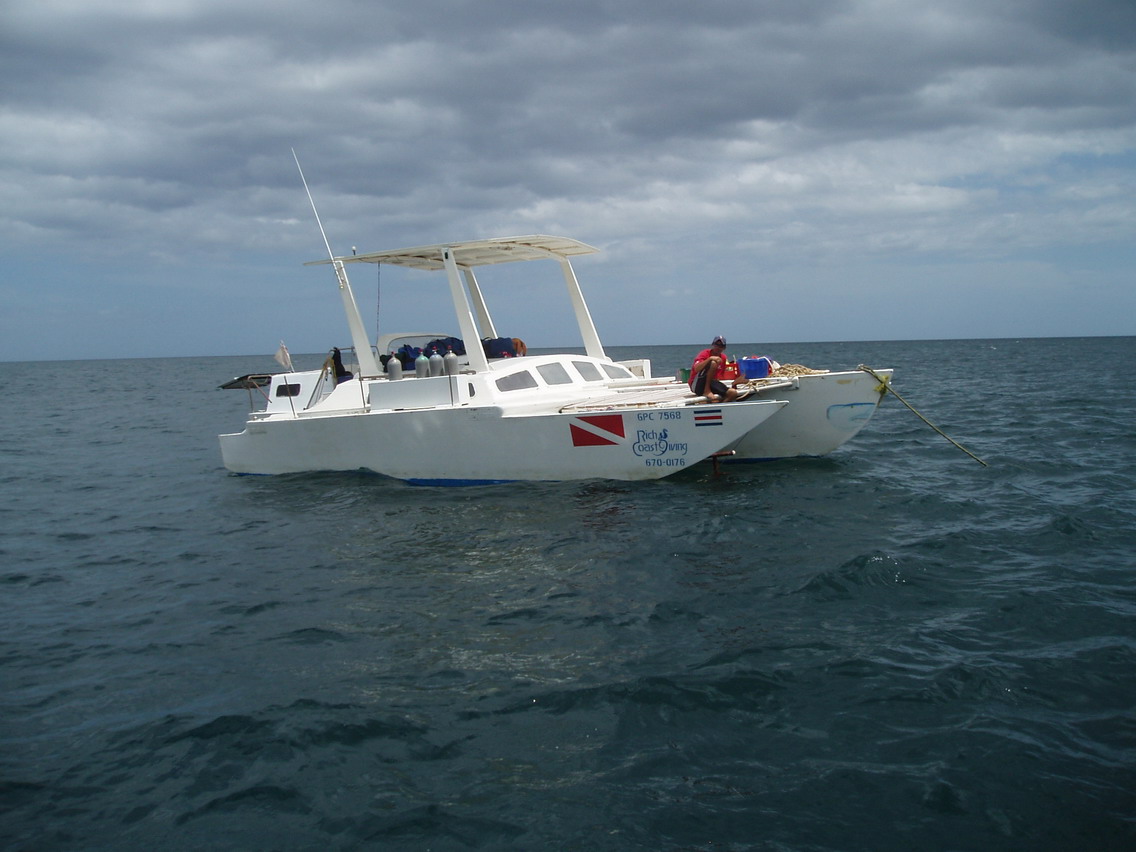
(885, 388)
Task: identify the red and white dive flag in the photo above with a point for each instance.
(597, 430)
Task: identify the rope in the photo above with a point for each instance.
(885, 387)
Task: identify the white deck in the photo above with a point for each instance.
(646, 397)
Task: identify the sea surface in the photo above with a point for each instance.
(891, 648)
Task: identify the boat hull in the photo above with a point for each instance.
(468, 445)
(824, 411)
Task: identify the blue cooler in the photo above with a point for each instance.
(754, 368)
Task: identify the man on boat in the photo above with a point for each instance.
(704, 374)
(342, 374)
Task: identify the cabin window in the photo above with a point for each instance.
(516, 381)
(588, 371)
(614, 371)
(287, 390)
(554, 374)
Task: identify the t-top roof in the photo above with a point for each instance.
(476, 252)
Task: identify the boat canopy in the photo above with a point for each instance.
(458, 261)
(475, 252)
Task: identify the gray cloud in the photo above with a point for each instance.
(784, 133)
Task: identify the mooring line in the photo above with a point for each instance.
(885, 387)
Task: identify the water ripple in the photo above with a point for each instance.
(892, 647)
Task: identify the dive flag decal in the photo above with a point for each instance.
(708, 417)
(597, 430)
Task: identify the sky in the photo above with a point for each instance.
(814, 170)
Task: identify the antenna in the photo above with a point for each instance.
(367, 364)
(312, 201)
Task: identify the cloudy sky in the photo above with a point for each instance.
(774, 170)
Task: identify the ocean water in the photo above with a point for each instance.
(891, 648)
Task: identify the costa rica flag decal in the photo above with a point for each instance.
(708, 417)
(597, 430)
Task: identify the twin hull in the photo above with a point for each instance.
(454, 445)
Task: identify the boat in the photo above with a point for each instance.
(824, 410)
(477, 413)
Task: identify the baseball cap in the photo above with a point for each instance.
(718, 341)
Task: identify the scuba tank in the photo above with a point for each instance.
(394, 368)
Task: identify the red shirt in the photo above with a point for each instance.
(702, 356)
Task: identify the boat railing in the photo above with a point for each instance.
(328, 381)
(321, 388)
(252, 382)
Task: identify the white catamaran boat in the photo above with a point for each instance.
(477, 419)
(471, 418)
